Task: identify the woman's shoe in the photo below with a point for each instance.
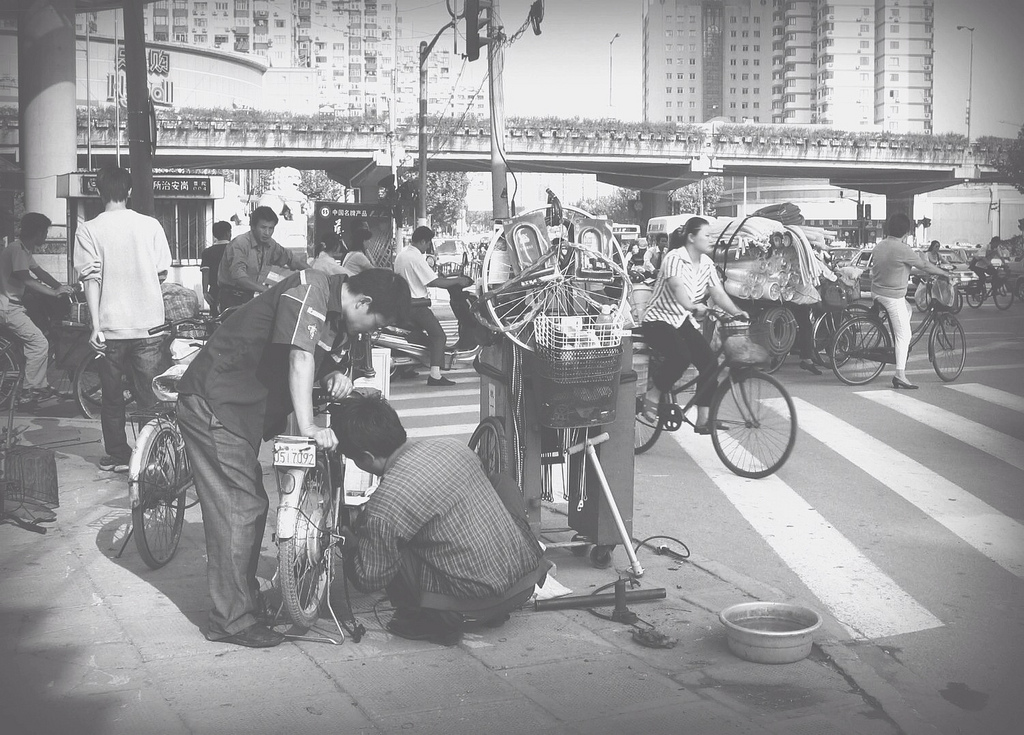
(649, 413)
(902, 384)
(705, 429)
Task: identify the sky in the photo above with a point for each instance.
(564, 72)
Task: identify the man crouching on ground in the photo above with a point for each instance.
(435, 534)
(258, 367)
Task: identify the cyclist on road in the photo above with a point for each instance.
(890, 273)
(686, 278)
(256, 369)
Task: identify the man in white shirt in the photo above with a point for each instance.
(121, 257)
(411, 264)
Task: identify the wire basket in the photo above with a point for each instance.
(559, 333)
(576, 388)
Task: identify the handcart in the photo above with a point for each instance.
(554, 416)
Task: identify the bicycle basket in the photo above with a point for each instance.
(942, 292)
(836, 295)
(576, 388)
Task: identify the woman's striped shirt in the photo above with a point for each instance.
(696, 279)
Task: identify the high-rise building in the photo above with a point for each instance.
(853, 64)
(350, 44)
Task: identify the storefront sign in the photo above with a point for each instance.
(164, 187)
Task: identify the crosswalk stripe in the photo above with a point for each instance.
(420, 394)
(992, 395)
(455, 430)
(994, 534)
(440, 411)
(858, 594)
(972, 433)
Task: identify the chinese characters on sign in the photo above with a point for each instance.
(164, 186)
(158, 62)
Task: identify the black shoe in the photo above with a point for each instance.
(439, 381)
(255, 636)
(809, 367)
(897, 383)
(418, 625)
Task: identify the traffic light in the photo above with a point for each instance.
(477, 15)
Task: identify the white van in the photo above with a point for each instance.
(659, 228)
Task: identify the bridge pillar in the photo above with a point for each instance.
(46, 97)
(653, 204)
(899, 203)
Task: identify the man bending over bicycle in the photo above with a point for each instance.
(256, 369)
(449, 550)
(890, 273)
(687, 277)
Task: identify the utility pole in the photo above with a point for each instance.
(970, 79)
(425, 49)
(610, 69)
(140, 150)
(495, 69)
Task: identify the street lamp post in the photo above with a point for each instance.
(610, 69)
(970, 79)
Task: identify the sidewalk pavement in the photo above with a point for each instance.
(100, 645)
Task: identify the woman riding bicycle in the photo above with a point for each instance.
(891, 264)
(687, 276)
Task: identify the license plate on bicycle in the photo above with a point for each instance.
(294, 452)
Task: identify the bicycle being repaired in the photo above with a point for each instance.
(258, 367)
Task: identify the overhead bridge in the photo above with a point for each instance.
(358, 155)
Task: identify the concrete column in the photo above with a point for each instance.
(899, 203)
(46, 98)
(653, 204)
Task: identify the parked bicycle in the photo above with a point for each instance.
(864, 344)
(998, 288)
(752, 417)
(159, 473)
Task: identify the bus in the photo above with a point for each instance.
(627, 235)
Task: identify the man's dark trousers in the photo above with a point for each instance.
(229, 482)
(141, 360)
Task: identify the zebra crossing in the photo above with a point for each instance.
(865, 598)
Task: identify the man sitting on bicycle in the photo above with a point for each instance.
(256, 369)
(891, 264)
(435, 534)
(686, 278)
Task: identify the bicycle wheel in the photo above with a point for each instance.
(87, 388)
(303, 566)
(86, 384)
(488, 441)
(860, 350)
(158, 475)
(825, 328)
(10, 371)
(754, 423)
(645, 431)
(1002, 294)
(975, 297)
(947, 347)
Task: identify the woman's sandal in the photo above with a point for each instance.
(649, 413)
(705, 429)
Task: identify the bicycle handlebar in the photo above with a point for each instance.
(194, 321)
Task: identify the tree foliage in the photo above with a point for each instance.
(318, 186)
(617, 206)
(687, 198)
(1012, 164)
(446, 198)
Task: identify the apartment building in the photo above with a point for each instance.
(852, 64)
(349, 44)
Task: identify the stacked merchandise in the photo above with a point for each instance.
(763, 259)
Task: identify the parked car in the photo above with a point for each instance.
(843, 256)
(953, 260)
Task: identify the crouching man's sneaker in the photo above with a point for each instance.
(111, 464)
(421, 625)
